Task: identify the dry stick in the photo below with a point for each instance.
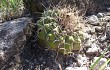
(58, 49)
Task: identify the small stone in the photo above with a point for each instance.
(100, 63)
(107, 68)
(69, 68)
(107, 13)
(98, 29)
(92, 31)
(93, 20)
(103, 38)
(108, 34)
(107, 55)
(108, 9)
(99, 15)
(89, 30)
(94, 49)
(17, 58)
(82, 61)
(105, 19)
(89, 42)
(2, 55)
(76, 68)
(86, 36)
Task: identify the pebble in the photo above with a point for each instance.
(99, 15)
(88, 43)
(94, 49)
(107, 54)
(82, 61)
(105, 19)
(89, 30)
(76, 68)
(86, 36)
(98, 29)
(108, 9)
(93, 20)
(108, 31)
(103, 38)
(108, 68)
(2, 55)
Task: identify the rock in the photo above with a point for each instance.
(98, 29)
(100, 63)
(107, 54)
(1, 17)
(108, 9)
(1, 55)
(107, 13)
(76, 68)
(105, 19)
(69, 68)
(108, 31)
(89, 30)
(93, 31)
(13, 36)
(107, 68)
(89, 42)
(93, 49)
(103, 38)
(99, 15)
(93, 20)
(86, 36)
(82, 61)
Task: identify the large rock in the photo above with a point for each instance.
(36, 6)
(87, 6)
(13, 35)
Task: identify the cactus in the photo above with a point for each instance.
(54, 36)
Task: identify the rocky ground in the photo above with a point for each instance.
(97, 39)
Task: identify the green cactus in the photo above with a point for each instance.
(54, 37)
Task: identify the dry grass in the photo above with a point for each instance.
(69, 19)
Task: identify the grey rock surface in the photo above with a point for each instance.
(99, 15)
(94, 49)
(93, 20)
(13, 35)
(108, 9)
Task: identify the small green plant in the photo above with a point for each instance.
(11, 7)
(59, 31)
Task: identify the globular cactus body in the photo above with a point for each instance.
(53, 35)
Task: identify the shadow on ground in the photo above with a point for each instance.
(33, 57)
